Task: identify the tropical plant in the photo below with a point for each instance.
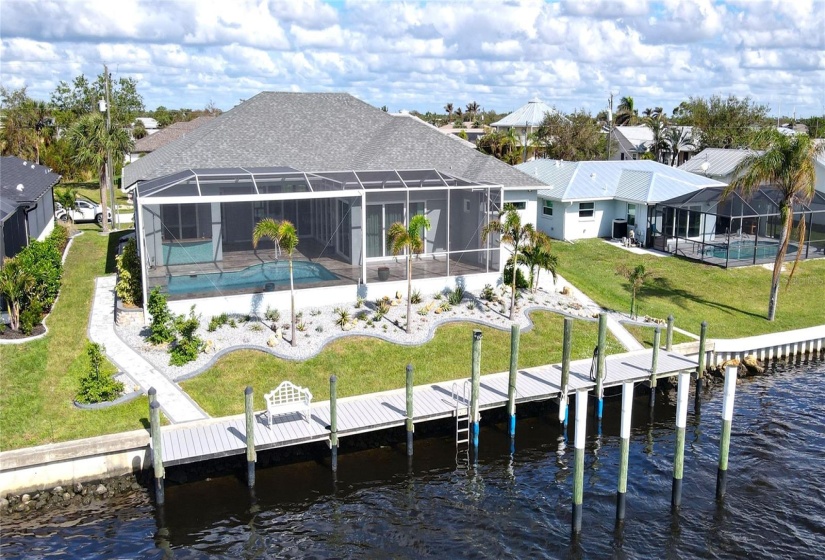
(31, 316)
(536, 255)
(15, 284)
(415, 297)
(66, 199)
(91, 139)
(408, 239)
(161, 329)
(516, 235)
(657, 125)
(472, 109)
(678, 139)
(787, 165)
(128, 287)
(342, 317)
(627, 113)
(187, 344)
(42, 260)
(636, 277)
(448, 108)
(285, 237)
(97, 386)
(455, 296)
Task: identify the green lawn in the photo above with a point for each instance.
(39, 379)
(365, 365)
(644, 334)
(734, 302)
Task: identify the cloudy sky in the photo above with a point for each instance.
(422, 55)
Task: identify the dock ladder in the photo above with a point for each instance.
(462, 422)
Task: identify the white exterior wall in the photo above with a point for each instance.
(819, 181)
(551, 225)
(529, 214)
(599, 225)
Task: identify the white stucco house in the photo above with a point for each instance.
(588, 199)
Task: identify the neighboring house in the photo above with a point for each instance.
(630, 142)
(161, 137)
(473, 132)
(150, 124)
(26, 204)
(342, 171)
(716, 163)
(525, 120)
(820, 173)
(589, 199)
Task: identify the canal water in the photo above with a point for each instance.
(506, 506)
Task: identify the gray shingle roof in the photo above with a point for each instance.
(642, 181)
(320, 131)
(172, 132)
(35, 180)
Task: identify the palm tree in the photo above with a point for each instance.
(91, 140)
(448, 108)
(515, 234)
(536, 256)
(66, 199)
(637, 277)
(657, 124)
(787, 165)
(285, 237)
(408, 239)
(626, 113)
(677, 139)
(15, 284)
(472, 109)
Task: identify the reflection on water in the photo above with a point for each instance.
(516, 506)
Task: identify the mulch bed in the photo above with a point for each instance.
(9, 334)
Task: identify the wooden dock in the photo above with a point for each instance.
(222, 437)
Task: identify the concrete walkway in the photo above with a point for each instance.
(176, 405)
(622, 335)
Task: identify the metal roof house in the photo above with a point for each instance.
(587, 199)
(26, 204)
(342, 172)
(716, 163)
(633, 141)
(526, 119)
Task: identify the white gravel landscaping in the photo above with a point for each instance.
(320, 325)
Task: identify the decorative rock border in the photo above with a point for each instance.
(126, 397)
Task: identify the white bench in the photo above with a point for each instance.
(287, 398)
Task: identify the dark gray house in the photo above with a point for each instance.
(26, 203)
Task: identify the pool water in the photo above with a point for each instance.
(265, 276)
(744, 250)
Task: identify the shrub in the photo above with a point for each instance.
(42, 260)
(59, 237)
(217, 321)
(359, 301)
(187, 345)
(455, 296)
(301, 326)
(342, 317)
(415, 297)
(488, 293)
(15, 284)
(445, 306)
(96, 386)
(521, 281)
(31, 317)
(161, 330)
(128, 287)
(272, 315)
(382, 307)
(256, 327)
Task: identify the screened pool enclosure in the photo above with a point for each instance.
(196, 226)
(732, 230)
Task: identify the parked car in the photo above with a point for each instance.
(84, 210)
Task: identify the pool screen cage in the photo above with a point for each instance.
(733, 230)
(195, 227)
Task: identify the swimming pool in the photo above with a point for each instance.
(265, 276)
(744, 250)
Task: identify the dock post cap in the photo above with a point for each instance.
(152, 391)
(333, 378)
(154, 404)
(248, 390)
(409, 367)
(476, 335)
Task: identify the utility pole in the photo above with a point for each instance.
(109, 170)
(609, 123)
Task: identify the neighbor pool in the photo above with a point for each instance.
(266, 276)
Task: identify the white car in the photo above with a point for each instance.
(84, 211)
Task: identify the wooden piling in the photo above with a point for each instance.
(410, 413)
(565, 371)
(724, 442)
(700, 369)
(682, 393)
(515, 333)
(157, 451)
(669, 334)
(333, 421)
(624, 449)
(153, 395)
(475, 415)
(251, 456)
(578, 469)
(654, 364)
(602, 351)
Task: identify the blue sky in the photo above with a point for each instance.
(422, 55)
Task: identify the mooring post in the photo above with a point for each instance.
(410, 424)
(515, 333)
(682, 393)
(578, 469)
(602, 350)
(333, 421)
(475, 415)
(654, 364)
(669, 334)
(251, 456)
(624, 450)
(565, 372)
(724, 442)
(153, 395)
(157, 451)
(700, 368)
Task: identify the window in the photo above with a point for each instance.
(547, 209)
(466, 205)
(586, 209)
(631, 215)
(519, 205)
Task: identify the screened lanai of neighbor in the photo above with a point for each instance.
(195, 228)
(734, 230)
